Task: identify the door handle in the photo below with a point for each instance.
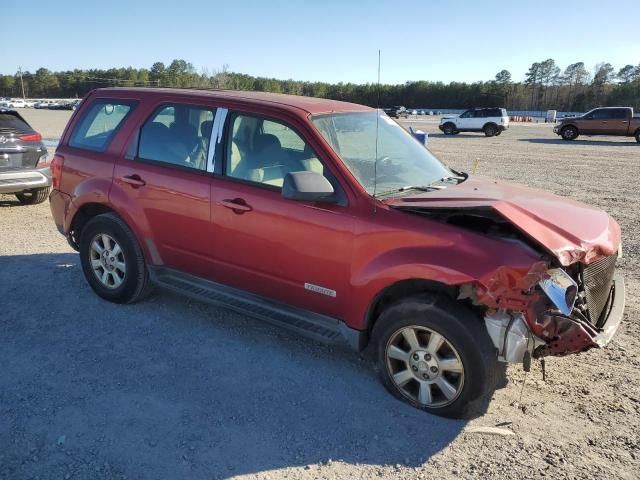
(134, 180)
(238, 205)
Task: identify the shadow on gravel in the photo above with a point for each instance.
(459, 135)
(559, 141)
(171, 388)
(6, 202)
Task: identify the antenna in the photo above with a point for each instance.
(375, 160)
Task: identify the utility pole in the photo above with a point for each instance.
(21, 82)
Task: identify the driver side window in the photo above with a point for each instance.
(264, 151)
(177, 135)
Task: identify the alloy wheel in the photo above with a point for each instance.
(424, 366)
(107, 261)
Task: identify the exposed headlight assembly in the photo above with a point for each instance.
(561, 289)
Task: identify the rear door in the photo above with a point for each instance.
(618, 123)
(162, 182)
(295, 252)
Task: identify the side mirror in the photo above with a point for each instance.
(308, 187)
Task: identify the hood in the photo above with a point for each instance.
(570, 230)
(449, 117)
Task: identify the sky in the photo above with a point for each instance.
(322, 40)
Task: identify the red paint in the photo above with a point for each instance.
(272, 246)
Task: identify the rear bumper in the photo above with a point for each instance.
(17, 180)
(59, 203)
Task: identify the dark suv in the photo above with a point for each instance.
(24, 161)
(396, 112)
(277, 206)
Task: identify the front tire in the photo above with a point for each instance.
(436, 355)
(638, 136)
(112, 260)
(449, 129)
(569, 133)
(33, 196)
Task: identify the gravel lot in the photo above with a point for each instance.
(171, 388)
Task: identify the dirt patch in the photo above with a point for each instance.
(171, 388)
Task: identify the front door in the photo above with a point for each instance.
(295, 252)
(164, 185)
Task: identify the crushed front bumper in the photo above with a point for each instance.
(572, 335)
(16, 180)
(616, 313)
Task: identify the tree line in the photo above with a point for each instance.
(545, 86)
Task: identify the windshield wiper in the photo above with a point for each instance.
(422, 188)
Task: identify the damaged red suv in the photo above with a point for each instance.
(329, 219)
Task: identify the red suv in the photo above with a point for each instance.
(329, 219)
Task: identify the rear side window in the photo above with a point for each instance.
(11, 122)
(177, 135)
(99, 124)
(619, 114)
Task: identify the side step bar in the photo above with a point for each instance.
(313, 325)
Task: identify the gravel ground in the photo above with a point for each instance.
(171, 388)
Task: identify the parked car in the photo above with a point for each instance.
(618, 121)
(24, 161)
(491, 121)
(43, 104)
(396, 112)
(273, 205)
(29, 103)
(16, 103)
(62, 106)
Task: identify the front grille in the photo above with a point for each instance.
(597, 280)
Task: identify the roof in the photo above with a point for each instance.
(311, 105)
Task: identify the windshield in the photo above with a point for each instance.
(402, 161)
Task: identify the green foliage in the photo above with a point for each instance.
(544, 86)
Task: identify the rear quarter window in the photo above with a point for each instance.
(99, 124)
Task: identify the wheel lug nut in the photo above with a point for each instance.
(414, 368)
(427, 357)
(425, 376)
(434, 369)
(415, 356)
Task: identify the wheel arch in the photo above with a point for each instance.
(570, 125)
(81, 217)
(493, 124)
(398, 291)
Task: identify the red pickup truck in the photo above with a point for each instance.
(329, 219)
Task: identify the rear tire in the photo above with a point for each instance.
(33, 196)
(638, 136)
(119, 275)
(449, 129)
(490, 130)
(569, 133)
(447, 380)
